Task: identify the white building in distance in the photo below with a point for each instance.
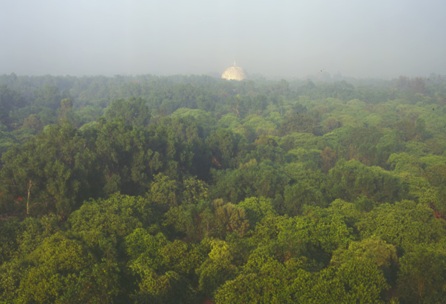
(234, 73)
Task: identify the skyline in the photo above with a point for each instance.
(383, 39)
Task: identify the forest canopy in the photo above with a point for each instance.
(191, 189)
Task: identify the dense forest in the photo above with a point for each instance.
(192, 189)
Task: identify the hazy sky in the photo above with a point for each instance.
(295, 38)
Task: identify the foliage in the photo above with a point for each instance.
(190, 189)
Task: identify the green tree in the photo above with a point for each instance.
(225, 147)
(266, 284)
(62, 271)
(351, 179)
(257, 208)
(48, 172)
(228, 218)
(9, 101)
(422, 275)
(164, 191)
(161, 275)
(132, 112)
(404, 224)
(356, 281)
(306, 188)
(217, 268)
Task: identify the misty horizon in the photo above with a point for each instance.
(383, 39)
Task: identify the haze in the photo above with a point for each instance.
(382, 39)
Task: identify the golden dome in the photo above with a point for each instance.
(234, 73)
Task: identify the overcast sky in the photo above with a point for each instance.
(295, 38)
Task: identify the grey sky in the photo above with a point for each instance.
(380, 38)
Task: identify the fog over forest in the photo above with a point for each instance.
(378, 39)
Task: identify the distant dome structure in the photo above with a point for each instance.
(234, 73)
